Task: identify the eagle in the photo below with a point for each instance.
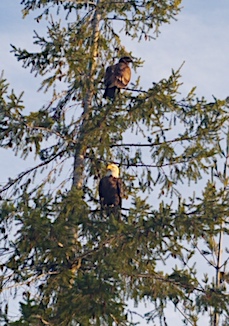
(110, 188)
(117, 76)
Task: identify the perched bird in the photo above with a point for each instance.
(110, 188)
(117, 76)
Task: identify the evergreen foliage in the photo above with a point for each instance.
(70, 263)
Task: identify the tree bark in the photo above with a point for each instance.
(81, 147)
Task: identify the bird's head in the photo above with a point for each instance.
(126, 59)
(112, 170)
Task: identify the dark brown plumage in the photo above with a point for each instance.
(117, 77)
(110, 188)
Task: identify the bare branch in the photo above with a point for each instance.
(155, 143)
(22, 175)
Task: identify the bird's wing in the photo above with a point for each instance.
(101, 188)
(117, 75)
(120, 190)
(122, 74)
(109, 76)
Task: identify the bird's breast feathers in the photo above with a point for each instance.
(117, 75)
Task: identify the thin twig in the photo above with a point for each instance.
(183, 314)
(155, 143)
(12, 182)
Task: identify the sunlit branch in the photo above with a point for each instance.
(45, 322)
(28, 281)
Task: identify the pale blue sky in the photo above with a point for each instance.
(200, 37)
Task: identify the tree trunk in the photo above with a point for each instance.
(81, 147)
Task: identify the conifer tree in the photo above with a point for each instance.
(69, 262)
